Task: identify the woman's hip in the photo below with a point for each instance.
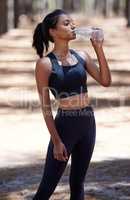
(75, 121)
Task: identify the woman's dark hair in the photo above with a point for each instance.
(41, 36)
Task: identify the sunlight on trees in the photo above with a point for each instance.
(11, 10)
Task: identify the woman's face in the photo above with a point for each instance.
(64, 29)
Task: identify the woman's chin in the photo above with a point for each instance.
(73, 37)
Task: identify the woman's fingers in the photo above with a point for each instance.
(60, 156)
(65, 153)
(60, 152)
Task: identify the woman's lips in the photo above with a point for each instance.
(73, 32)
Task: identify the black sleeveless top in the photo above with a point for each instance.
(68, 80)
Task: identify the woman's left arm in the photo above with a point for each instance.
(102, 73)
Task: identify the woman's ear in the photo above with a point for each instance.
(52, 32)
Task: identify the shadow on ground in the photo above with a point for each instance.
(105, 180)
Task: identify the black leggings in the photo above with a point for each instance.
(77, 129)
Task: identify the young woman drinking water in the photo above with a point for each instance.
(64, 71)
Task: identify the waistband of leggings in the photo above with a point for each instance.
(74, 112)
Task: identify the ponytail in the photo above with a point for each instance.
(39, 41)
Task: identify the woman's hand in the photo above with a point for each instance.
(96, 40)
(97, 44)
(60, 152)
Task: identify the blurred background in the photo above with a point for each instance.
(23, 133)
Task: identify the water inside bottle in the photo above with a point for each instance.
(89, 32)
(84, 32)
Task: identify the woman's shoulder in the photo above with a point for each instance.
(44, 61)
(43, 64)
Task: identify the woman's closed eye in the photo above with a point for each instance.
(67, 22)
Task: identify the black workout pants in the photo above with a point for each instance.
(77, 130)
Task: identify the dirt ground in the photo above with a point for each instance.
(24, 135)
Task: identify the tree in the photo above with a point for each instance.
(106, 7)
(4, 16)
(128, 12)
(101, 6)
(16, 13)
(76, 5)
(116, 6)
(67, 4)
(22, 7)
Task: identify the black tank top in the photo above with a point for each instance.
(68, 80)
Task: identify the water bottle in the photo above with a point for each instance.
(90, 32)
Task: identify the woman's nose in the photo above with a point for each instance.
(73, 26)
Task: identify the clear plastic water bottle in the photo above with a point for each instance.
(90, 32)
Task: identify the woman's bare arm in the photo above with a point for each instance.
(42, 73)
(102, 73)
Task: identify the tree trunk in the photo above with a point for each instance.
(59, 3)
(10, 14)
(116, 6)
(67, 4)
(76, 5)
(108, 7)
(51, 5)
(100, 6)
(104, 7)
(28, 8)
(128, 12)
(4, 16)
(16, 13)
(88, 7)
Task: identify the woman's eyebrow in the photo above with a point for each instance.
(69, 20)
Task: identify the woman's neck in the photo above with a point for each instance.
(62, 49)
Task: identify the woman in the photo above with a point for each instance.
(64, 72)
